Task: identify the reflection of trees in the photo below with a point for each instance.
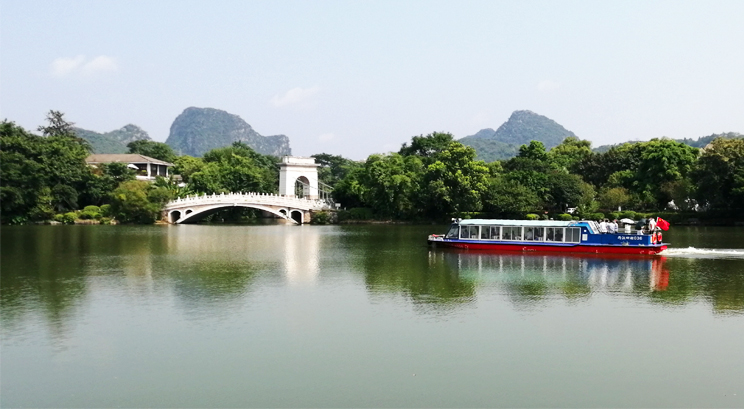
(42, 273)
(530, 278)
(395, 260)
(718, 281)
(207, 284)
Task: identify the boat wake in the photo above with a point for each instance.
(692, 252)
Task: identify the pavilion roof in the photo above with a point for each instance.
(124, 158)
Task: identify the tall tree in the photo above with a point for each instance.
(157, 150)
(720, 175)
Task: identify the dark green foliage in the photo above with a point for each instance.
(236, 168)
(720, 175)
(199, 130)
(41, 175)
(156, 150)
(489, 150)
(334, 168)
(509, 199)
(321, 218)
(356, 213)
(136, 201)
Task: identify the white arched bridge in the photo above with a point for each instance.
(193, 208)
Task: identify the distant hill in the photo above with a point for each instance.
(115, 141)
(700, 142)
(703, 141)
(198, 130)
(521, 128)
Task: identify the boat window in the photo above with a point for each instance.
(469, 232)
(533, 233)
(452, 233)
(464, 232)
(554, 234)
(485, 233)
(495, 233)
(559, 234)
(512, 233)
(573, 235)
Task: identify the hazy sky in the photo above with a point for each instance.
(360, 77)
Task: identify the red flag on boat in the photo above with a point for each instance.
(662, 224)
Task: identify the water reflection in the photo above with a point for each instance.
(530, 279)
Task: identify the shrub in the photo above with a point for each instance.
(596, 216)
(105, 220)
(532, 216)
(356, 213)
(628, 214)
(565, 217)
(321, 218)
(106, 210)
(66, 218)
(92, 209)
(576, 218)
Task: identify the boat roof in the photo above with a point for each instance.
(500, 222)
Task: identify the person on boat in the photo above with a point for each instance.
(602, 226)
(612, 226)
(651, 225)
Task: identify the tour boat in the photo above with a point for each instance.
(545, 236)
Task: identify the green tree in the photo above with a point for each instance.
(236, 168)
(40, 173)
(509, 199)
(427, 146)
(157, 150)
(334, 168)
(614, 198)
(137, 201)
(455, 181)
(565, 191)
(570, 152)
(392, 184)
(720, 175)
(663, 161)
(185, 166)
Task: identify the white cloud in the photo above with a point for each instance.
(295, 96)
(548, 86)
(326, 137)
(80, 65)
(101, 63)
(63, 66)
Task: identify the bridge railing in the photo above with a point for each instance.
(258, 198)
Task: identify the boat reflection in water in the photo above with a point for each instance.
(543, 276)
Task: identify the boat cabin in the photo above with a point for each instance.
(541, 232)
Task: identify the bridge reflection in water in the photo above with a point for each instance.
(567, 275)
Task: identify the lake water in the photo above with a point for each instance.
(362, 316)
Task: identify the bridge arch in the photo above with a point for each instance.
(195, 215)
(297, 216)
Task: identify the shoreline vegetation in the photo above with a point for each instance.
(431, 179)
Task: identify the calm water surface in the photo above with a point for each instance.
(362, 316)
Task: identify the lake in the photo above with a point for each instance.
(362, 316)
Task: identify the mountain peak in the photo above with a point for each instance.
(198, 130)
(522, 127)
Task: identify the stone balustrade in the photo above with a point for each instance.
(255, 198)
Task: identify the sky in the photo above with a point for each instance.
(354, 78)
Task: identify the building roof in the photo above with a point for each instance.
(124, 158)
